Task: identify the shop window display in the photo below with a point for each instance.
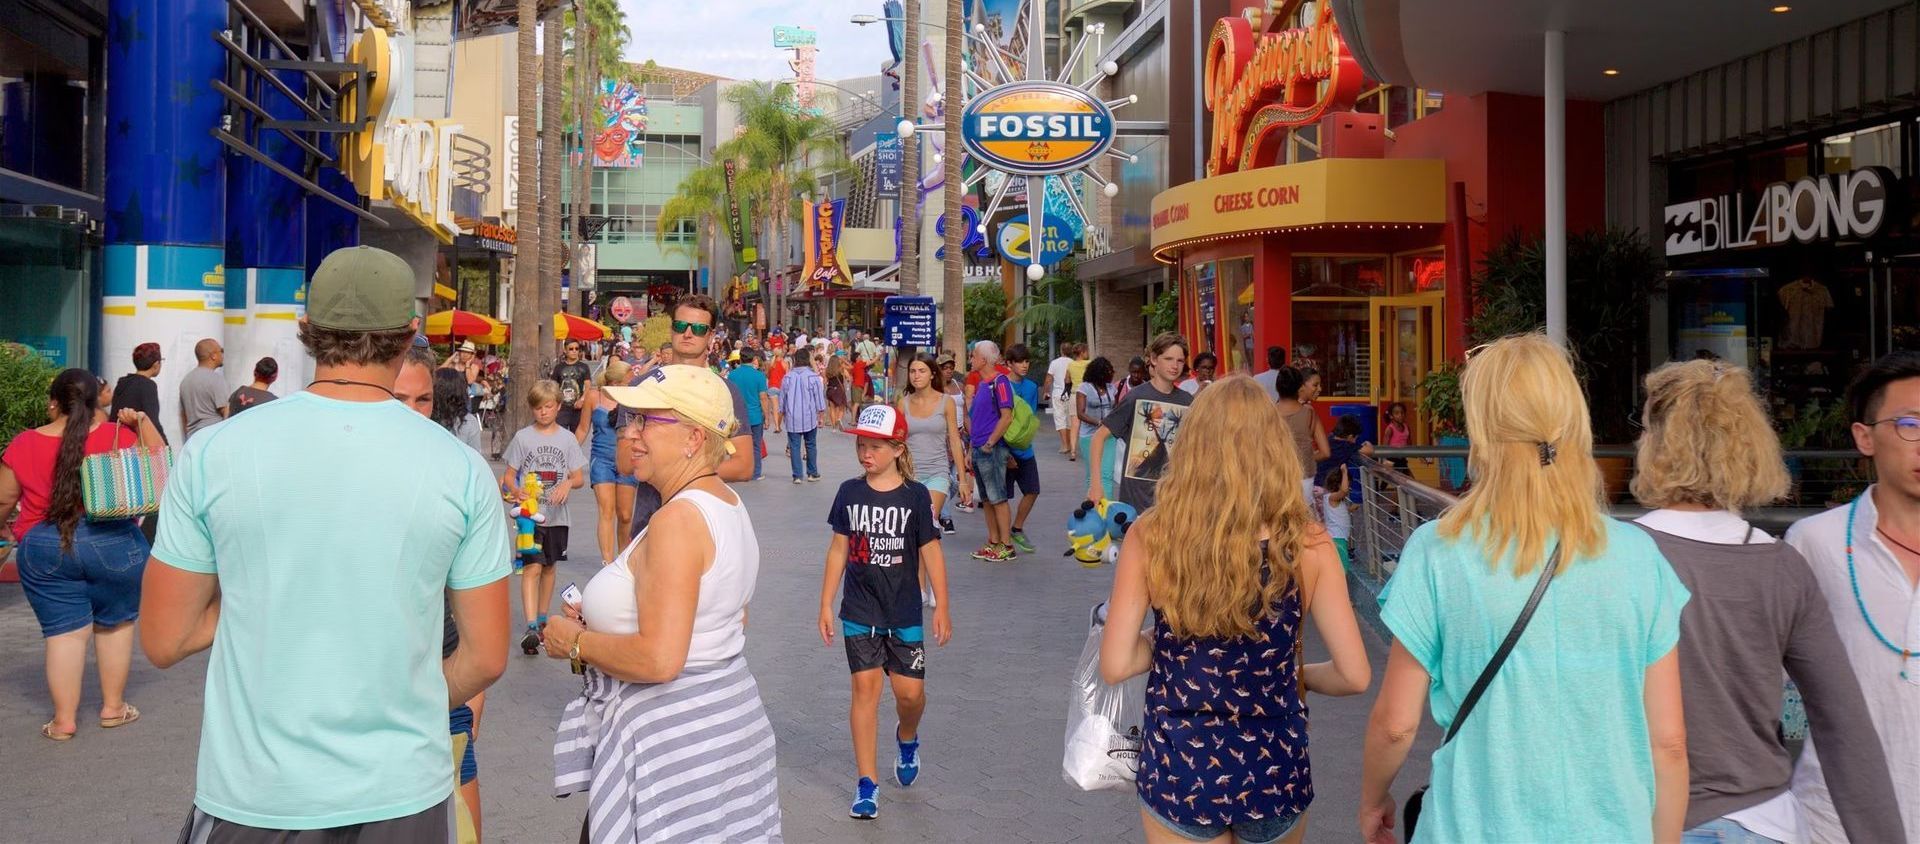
(1334, 337)
(1340, 276)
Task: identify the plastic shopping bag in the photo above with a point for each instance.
(1103, 721)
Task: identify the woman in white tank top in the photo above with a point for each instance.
(664, 625)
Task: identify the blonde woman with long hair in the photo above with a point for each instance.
(1579, 736)
(1707, 453)
(1231, 562)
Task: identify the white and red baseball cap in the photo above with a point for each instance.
(881, 422)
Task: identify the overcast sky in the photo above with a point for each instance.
(734, 38)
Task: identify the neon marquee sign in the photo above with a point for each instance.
(1260, 85)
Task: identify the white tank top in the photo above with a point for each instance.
(719, 631)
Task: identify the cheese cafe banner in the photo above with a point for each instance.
(1261, 84)
(1326, 192)
(825, 267)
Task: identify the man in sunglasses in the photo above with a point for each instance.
(573, 378)
(692, 328)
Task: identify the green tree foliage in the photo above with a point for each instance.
(24, 378)
(1163, 313)
(1051, 306)
(984, 311)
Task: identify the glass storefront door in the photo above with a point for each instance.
(1408, 337)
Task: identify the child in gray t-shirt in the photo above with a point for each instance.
(553, 454)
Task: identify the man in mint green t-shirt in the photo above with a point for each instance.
(319, 578)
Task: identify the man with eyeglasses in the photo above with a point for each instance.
(694, 316)
(573, 378)
(1866, 558)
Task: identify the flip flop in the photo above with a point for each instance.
(127, 717)
(46, 730)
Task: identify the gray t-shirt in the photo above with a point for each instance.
(646, 499)
(202, 394)
(553, 456)
(1144, 425)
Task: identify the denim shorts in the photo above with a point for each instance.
(941, 483)
(1723, 830)
(1263, 831)
(603, 472)
(98, 583)
(990, 468)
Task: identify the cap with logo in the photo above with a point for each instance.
(692, 391)
(361, 289)
(881, 422)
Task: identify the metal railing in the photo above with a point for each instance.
(1394, 502)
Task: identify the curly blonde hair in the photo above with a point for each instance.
(1707, 441)
(1530, 457)
(1228, 479)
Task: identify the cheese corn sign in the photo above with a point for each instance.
(1037, 128)
(1262, 83)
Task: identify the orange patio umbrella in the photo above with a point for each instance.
(569, 327)
(456, 324)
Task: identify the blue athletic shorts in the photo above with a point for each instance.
(603, 472)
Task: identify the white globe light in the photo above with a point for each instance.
(1035, 272)
(982, 228)
(937, 158)
(1133, 98)
(979, 29)
(905, 128)
(1110, 67)
(1111, 190)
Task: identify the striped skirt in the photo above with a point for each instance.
(686, 760)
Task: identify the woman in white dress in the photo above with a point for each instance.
(659, 634)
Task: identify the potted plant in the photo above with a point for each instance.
(1445, 411)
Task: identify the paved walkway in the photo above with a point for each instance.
(992, 734)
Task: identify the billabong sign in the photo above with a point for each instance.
(1834, 206)
(1037, 128)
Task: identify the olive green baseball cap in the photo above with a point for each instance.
(361, 288)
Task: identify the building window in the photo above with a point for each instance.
(1875, 147)
(1362, 275)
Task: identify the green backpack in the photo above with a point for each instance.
(1024, 426)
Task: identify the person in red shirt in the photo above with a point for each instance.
(776, 372)
(81, 576)
(862, 385)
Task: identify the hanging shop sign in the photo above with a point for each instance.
(1261, 85)
(1036, 128)
(1329, 193)
(622, 135)
(419, 173)
(887, 163)
(1834, 206)
(1017, 243)
(825, 266)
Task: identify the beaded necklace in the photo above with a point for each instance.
(1906, 654)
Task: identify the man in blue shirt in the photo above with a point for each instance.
(753, 387)
(1025, 471)
(321, 585)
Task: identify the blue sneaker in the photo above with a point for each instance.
(907, 768)
(866, 800)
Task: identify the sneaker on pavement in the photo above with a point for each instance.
(907, 768)
(1020, 539)
(813, 478)
(946, 526)
(798, 480)
(986, 552)
(866, 800)
(1000, 554)
(530, 643)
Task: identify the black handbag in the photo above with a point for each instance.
(1410, 813)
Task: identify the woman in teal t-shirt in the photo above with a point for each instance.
(1580, 735)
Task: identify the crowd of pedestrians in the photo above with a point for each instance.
(1623, 678)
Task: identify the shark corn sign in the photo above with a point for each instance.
(1263, 81)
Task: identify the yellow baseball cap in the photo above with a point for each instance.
(691, 391)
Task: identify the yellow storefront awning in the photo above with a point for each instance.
(1330, 192)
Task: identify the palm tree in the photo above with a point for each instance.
(1052, 306)
(910, 153)
(599, 38)
(552, 153)
(523, 358)
(702, 198)
(787, 151)
(953, 331)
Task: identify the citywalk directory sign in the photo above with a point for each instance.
(907, 321)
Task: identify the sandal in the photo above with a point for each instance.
(129, 716)
(46, 730)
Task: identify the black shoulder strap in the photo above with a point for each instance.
(1506, 647)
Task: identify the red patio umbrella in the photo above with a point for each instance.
(458, 324)
(569, 327)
